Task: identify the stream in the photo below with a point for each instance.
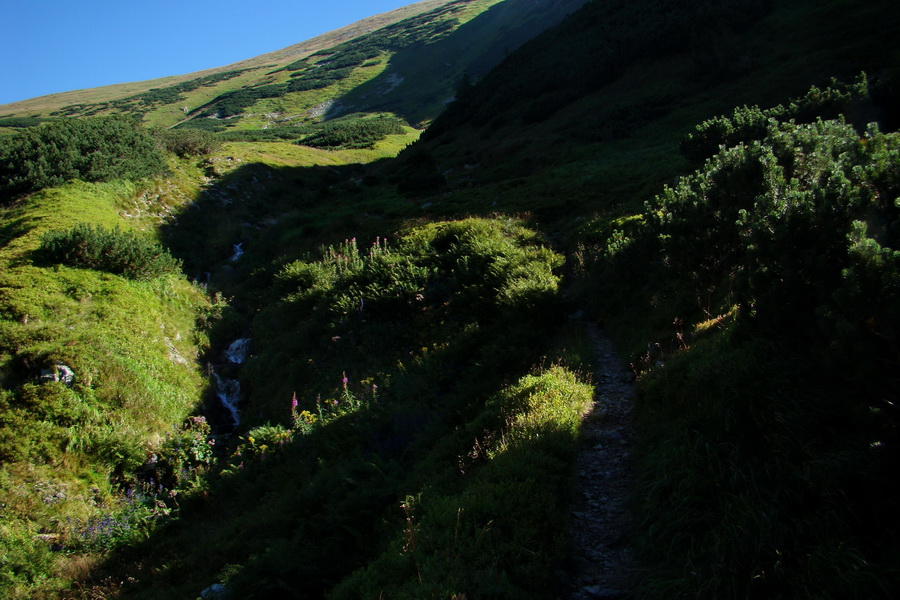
(227, 386)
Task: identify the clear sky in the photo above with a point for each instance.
(49, 46)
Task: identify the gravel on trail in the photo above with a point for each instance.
(600, 564)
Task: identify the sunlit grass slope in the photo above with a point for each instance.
(132, 348)
(96, 96)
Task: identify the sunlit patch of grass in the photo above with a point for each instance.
(498, 530)
(132, 347)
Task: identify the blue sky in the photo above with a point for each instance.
(49, 46)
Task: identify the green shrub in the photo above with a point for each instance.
(22, 121)
(354, 133)
(140, 104)
(92, 149)
(749, 123)
(202, 124)
(767, 444)
(114, 251)
(188, 142)
(498, 535)
(288, 132)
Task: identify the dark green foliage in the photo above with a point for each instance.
(340, 58)
(614, 35)
(291, 132)
(399, 355)
(338, 62)
(751, 123)
(93, 149)
(233, 103)
(772, 222)
(422, 28)
(114, 251)
(22, 121)
(188, 141)
(317, 78)
(203, 124)
(468, 539)
(354, 132)
(141, 103)
(475, 271)
(168, 95)
(774, 437)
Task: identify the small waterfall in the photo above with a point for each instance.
(228, 389)
(238, 251)
(237, 351)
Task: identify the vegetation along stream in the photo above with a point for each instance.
(474, 301)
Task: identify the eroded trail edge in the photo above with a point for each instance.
(601, 563)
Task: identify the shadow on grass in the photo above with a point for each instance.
(420, 79)
(296, 520)
(292, 514)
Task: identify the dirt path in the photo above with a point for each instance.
(600, 564)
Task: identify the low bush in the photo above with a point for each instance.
(287, 132)
(496, 532)
(766, 444)
(750, 123)
(114, 251)
(356, 132)
(188, 142)
(22, 121)
(90, 149)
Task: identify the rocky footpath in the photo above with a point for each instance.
(600, 564)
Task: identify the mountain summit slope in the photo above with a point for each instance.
(407, 62)
(46, 104)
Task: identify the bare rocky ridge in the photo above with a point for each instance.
(600, 564)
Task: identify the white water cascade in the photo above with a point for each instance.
(236, 353)
(228, 389)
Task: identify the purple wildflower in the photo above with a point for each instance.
(294, 402)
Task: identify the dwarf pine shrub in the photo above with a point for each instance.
(90, 149)
(354, 133)
(767, 444)
(114, 251)
(748, 123)
(188, 141)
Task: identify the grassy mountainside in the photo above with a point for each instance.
(411, 398)
(769, 360)
(398, 59)
(55, 102)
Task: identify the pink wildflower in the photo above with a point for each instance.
(294, 402)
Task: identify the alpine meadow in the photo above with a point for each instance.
(337, 321)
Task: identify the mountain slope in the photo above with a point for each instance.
(563, 107)
(413, 381)
(45, 105)
(308, 81)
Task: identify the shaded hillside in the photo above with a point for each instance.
(598, 105)
(713, 183)
(419, 81)
(320, 78)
